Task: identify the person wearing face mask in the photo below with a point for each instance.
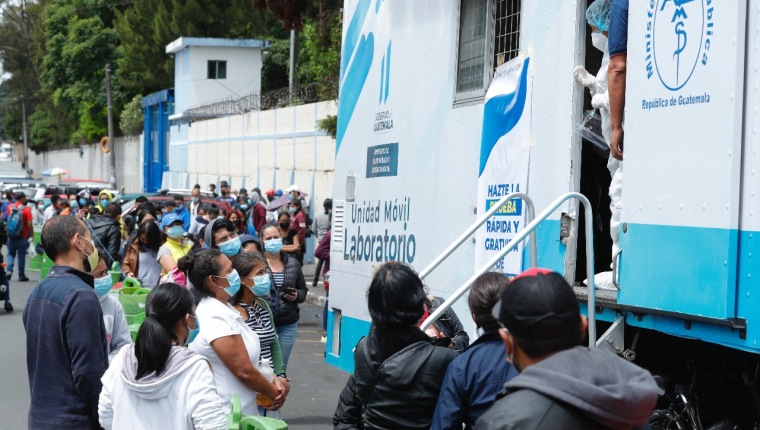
(258, 208)
(226, 197)
(291, 243)
(598, 18)
(238, 220)
(478, 374)
(231, 347)
(175, 246)
(181, 211)
(106, 231)
(200, 221)
(298, 223)
(51, 210)
(104, 199)
(286, 276)
(252, 301)
(141, 256)
(221, 234)
(320, 226)
(38, 214)
(156, 382)
(65, 335)
(195, 201)
(117, 331)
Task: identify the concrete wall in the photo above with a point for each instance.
(268, 149)
(94, 164)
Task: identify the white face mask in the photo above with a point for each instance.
(599, 41)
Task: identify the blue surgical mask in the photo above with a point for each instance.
(261, 285)
(103, 285)
(196, 199)
(230, 248)
(243, 206)
(82, 202)
(273, 246)
(292, 210)
(234, 280)
(193, 332)
(73, 204)
(175, 231)
(104, 202)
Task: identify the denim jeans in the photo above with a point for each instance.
(287, 337)
(17, 245)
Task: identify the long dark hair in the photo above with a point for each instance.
(199, 264)
(485, 292)
(165, 305)
(152, 234)
(395, 301)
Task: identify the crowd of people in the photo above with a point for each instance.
(229, 292)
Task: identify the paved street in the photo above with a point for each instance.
(310, 405)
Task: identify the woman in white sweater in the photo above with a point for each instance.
(157, 382)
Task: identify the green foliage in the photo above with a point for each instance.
(319, 59)
(48, 128)
(329, 125)
(131, 122)
(274, 71)
(80, 42)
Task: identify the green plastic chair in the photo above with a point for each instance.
(236, 420)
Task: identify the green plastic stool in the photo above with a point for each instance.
(35, 263)
(236, 420)
(132, 299)
(133, 323)
(45, 266)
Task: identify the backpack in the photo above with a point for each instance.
(15, 223)
(309, 222)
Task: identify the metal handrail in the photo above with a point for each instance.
(513, 245)
(471, 229)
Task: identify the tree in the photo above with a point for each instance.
(131, 122)
(79, 45)
(320, 54)
(149, 25)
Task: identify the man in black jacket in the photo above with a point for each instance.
(65, 336)
(561, 385)
(106, 231)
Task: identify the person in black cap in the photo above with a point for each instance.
(561, 384)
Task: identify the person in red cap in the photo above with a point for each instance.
(562, 385)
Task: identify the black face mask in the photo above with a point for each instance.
(284, 225)
(224, 192)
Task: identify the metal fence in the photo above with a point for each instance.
(270, 100)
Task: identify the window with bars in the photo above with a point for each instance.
(507, 31)
(217, 69)
(471, 64)
(489, 36)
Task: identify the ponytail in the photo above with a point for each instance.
(166, 304)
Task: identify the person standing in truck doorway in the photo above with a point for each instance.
(618, 47)
(598, 18)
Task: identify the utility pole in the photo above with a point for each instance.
(292, 81)
(111, 143)
(25, 158)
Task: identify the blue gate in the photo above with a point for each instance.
(156, 110)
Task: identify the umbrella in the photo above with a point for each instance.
(282, 201)
(55, 171)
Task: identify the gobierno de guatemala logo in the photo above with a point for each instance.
(677, 39)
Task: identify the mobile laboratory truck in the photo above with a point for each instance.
(431, 135)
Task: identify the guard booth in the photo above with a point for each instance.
(156, 110)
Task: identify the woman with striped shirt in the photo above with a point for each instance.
(251, 301)
(287, 278)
